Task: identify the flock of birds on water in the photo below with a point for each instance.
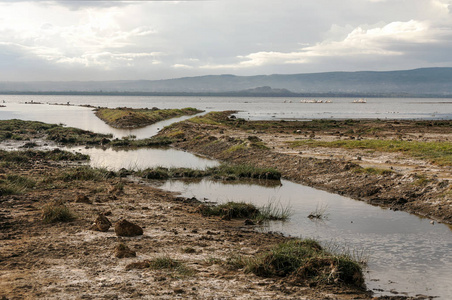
(322, 101)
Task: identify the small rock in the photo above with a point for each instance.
(82, 199)
(126, 228)
(432, 222)
(123, 251)
(249, 222)
(139, 265)
(101, 223)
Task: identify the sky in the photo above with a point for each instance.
(130, 40)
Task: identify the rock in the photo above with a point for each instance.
(126, 228)
(249, 222)
(101, 223)
(82, 199)
(179, 291)
(139, 265)
(123, 251)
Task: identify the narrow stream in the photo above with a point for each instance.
(406, 254)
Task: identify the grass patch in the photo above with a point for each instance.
(170, 264)
(235, 148)
(211, 118)
(84, 173)
(69, 135)
(54, 212)
(259, 145)
(224, 171)
(22, 130)
(374, 171)
(439, 153)
(15, 184)
(132, 118)
(28, 156)
(319, 213)
(242, 210)
(421, 180)
(245, 171)
(26, 130)
(306, 261)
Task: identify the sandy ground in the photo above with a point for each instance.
(70, 261)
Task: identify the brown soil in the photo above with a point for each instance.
(71, 261)
(414, 185)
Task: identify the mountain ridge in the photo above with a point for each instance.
(415, 82)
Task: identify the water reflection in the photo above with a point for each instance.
(144, 158)
(406, 253)
(79, 117)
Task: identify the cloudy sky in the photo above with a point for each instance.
(107, 40)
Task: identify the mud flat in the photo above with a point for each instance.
(403, 165)
(181, 254)
(60, 240)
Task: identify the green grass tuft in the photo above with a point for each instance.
(170, 264)
(132, 118)
(15, 184)
(86, 173)
(56, 212)
(374, 171)
(242, 210)
(306, 261)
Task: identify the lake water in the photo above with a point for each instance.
(254, 108)
(406, 253)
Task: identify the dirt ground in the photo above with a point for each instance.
(70, 261)
(414, 185)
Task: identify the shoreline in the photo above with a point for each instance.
(53, 260)
(408, 184)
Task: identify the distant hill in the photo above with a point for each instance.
(419, 82)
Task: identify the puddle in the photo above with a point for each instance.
(405, 253)
(144, 158)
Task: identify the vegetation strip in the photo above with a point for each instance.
(224, 172)
(242, 210)
(436, 152)
(132, 118)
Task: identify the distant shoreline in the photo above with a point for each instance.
(225, 94)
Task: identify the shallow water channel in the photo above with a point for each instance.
(405, 253)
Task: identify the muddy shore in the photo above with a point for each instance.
(68, 260)
(388, 179)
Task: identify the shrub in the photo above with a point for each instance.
(56, 212)
(306, 261)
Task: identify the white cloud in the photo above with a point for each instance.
(182, 66)
(378, 41)
(95, 39)
(161, 39)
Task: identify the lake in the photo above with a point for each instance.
(255, 108)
